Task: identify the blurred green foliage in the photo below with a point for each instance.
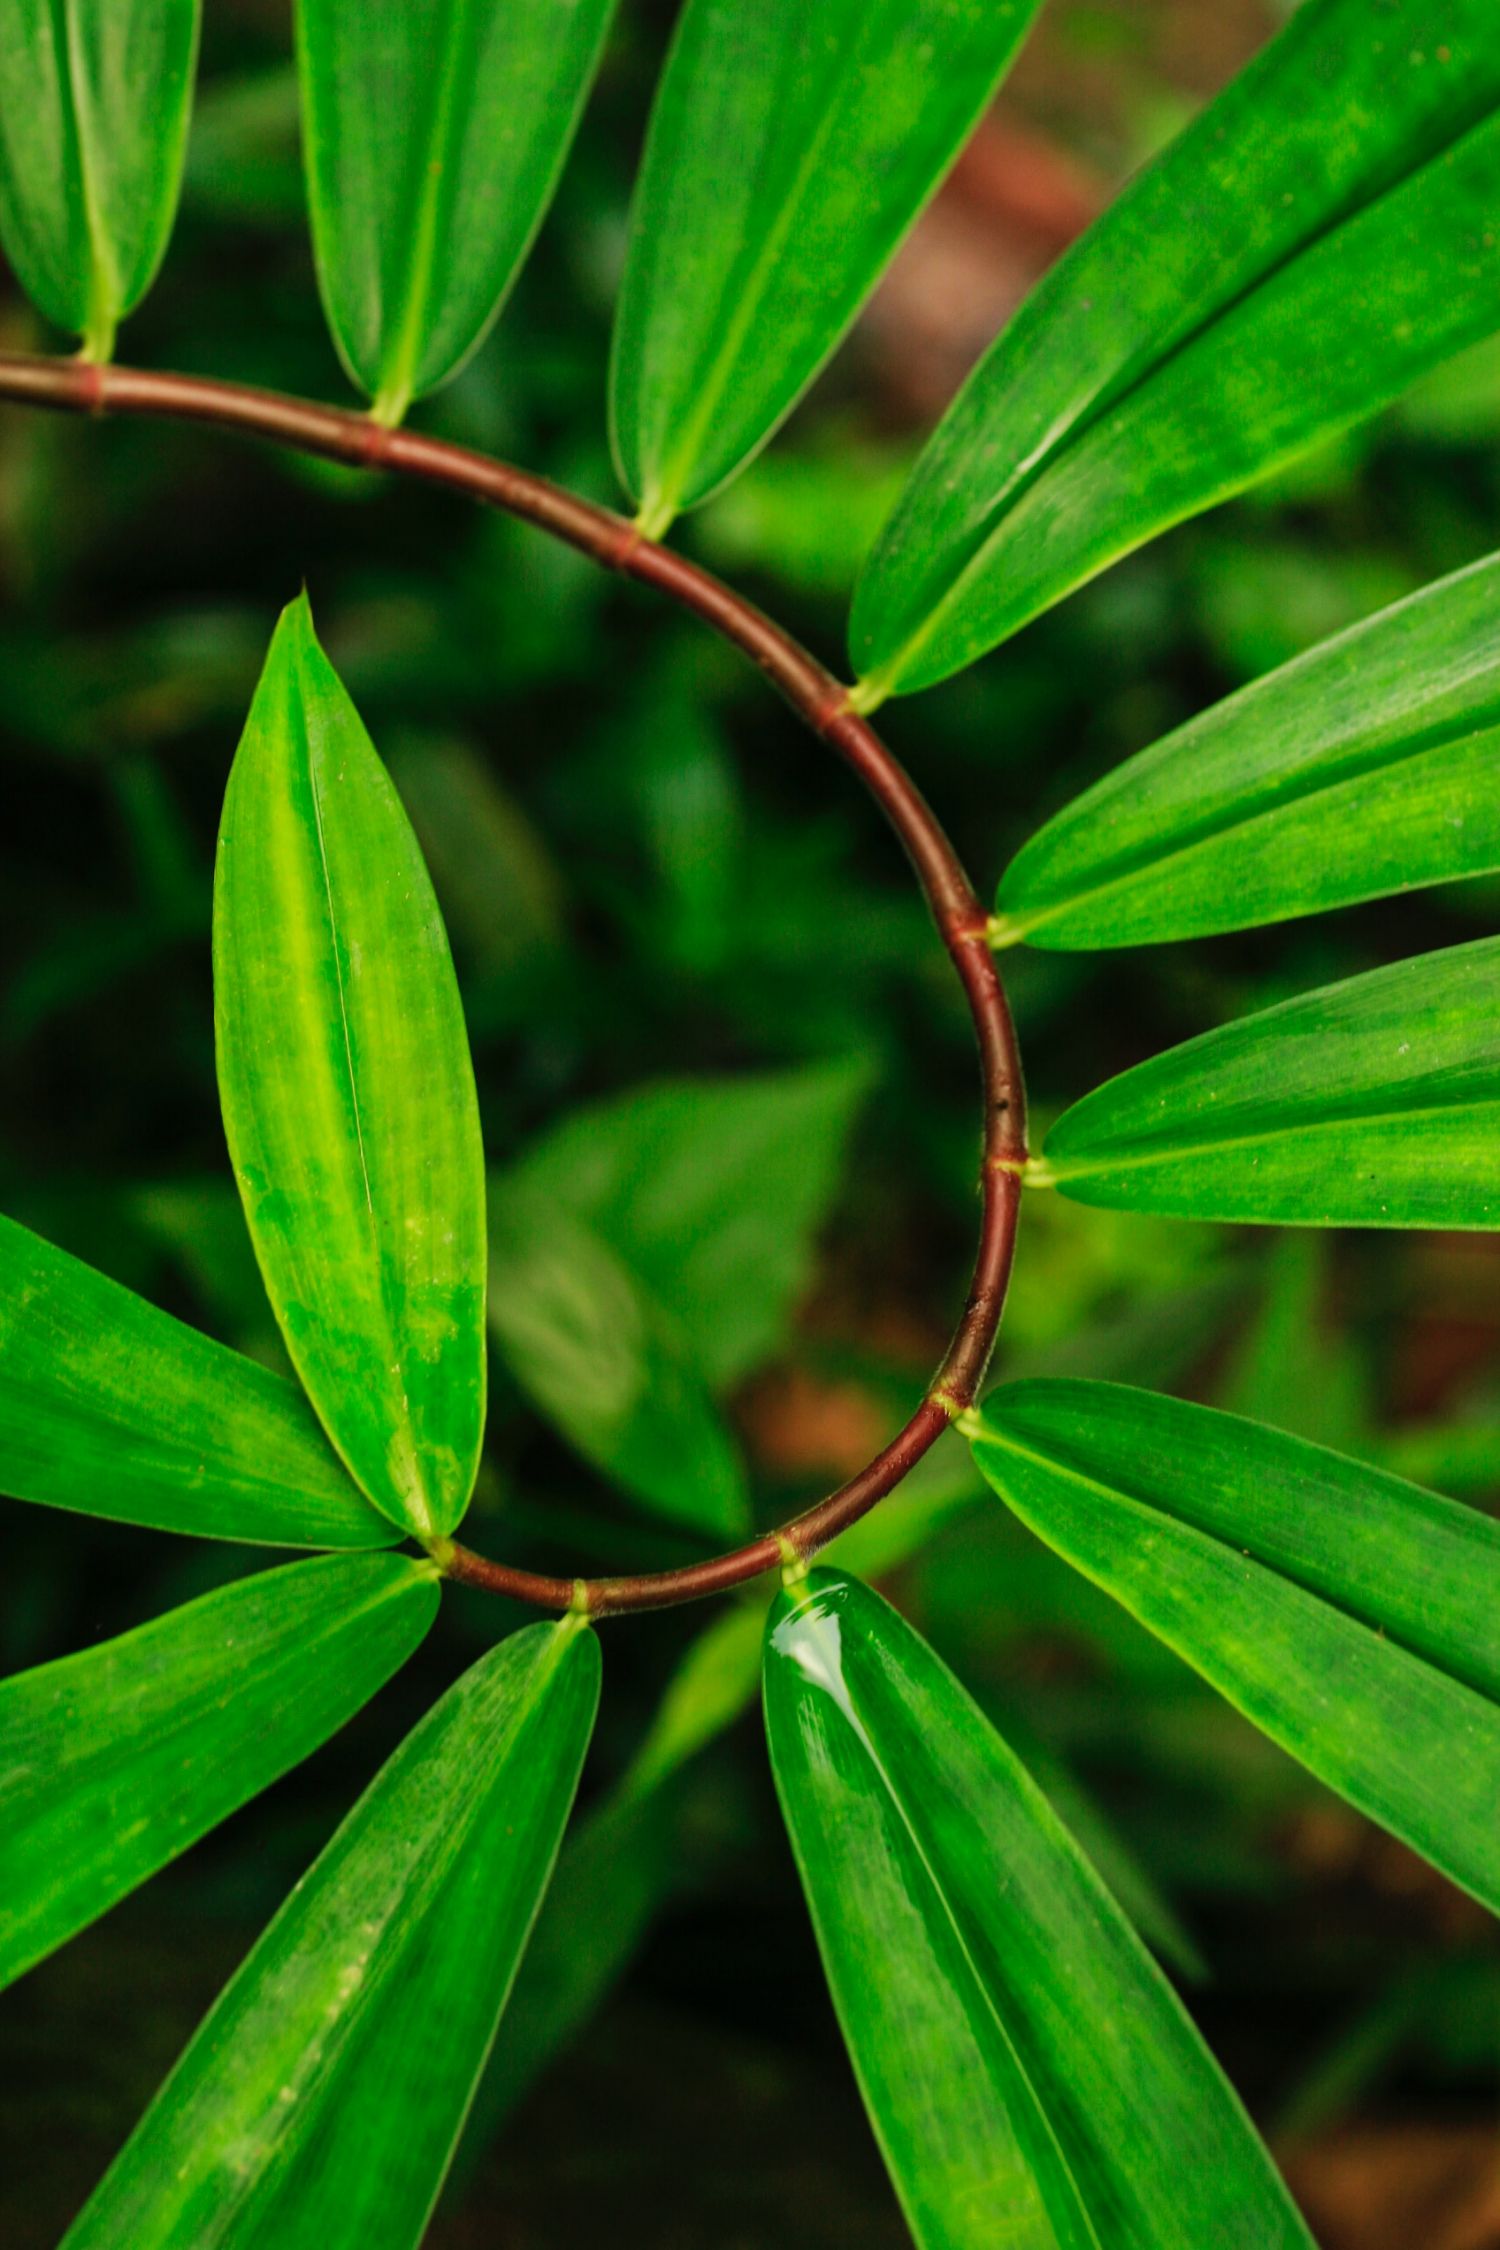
(653, 877)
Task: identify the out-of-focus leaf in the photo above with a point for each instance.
(348, 1092)
(941, 1487)
(1459, 1457)
(604, 1362)
(678, 772)
(1290, 1366)
(1133, 1886)
(1366, 766)
(242, 160)
(1354, 1618)
(112, 1408)
(114, 1761)
(322, 2096)
(790, 149)
(505, 899)
(199, 1224)
(434, 136)
(1371, 1103)
(712, 1191)
(1157, 1336)
(805, 515)
(1322, 234)
(712, 1685)
(1029, 2075)
(614, 1875)
(94, 106)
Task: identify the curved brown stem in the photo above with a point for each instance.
(823, 703)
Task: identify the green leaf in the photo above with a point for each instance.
(1291, 1364)
(714, 1682)
(617, 1870)
(348, 1092)
(1354, 1618)
(433, 137)
(602, 1360)
(1366, 766)
(322, 2096)
(112, 1408)
(1370, 1103)
(1131, 1884)
(790, 149)
(1325, 232)
(94, 104)
(712, 1191)
(114, 1761)
(1031, 2078)
(506, 903)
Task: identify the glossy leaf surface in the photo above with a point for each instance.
(1368, 765)
(601, 1359)
(112, 1408)
(1031, 2078)
(114, 1761)
(1370, 1103)
(94, 104)
(711, 1190)
(1325, 232)
(433, 134)
(1355, 1618)
(790, 149)
(348, 1092)
(321, 2098)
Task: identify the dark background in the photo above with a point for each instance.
(648, 870)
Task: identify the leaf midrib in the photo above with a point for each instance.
(398, 381)
(104, 280)
(977, 1981)
(675, 470)
(411, 1489)
(425, 1876)
(163, 1728)
(1059, 1465)
(1259, 806)
(1112, 396)
(1064, 1168)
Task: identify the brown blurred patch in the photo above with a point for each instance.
(1336, 1847)
(1451, 1325)
(799, 1425)
(1015, 201)
(1401, 2187)
(1043, 164)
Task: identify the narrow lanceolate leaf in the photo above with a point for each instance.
(94, 105)
(602, 1359)
(1030, 2076)
(1369, 765)
(348, 1092)
(712, 1190)
(1370, 1103)
(1353, 1617)
(433, 139)
(113, 1762)
(112, 1408)
(790, 149)
(1337, 210)
(321, 2099)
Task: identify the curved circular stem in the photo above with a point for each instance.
(823, 702)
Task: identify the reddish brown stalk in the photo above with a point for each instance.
(823, 703)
